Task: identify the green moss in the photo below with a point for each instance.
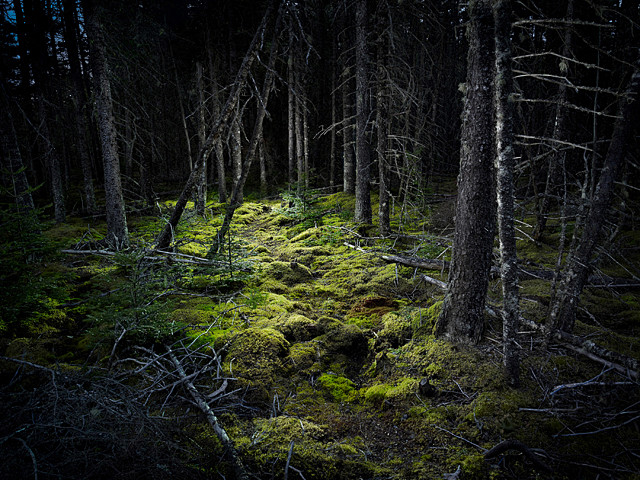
(304, 357)
(348, 339)
(35, 350)
(255, 359)
(337, 387)
(287, 273)
(269, 447)
(405, 388)
(376, 393)
(298, 328)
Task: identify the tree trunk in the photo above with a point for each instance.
(505, 190)
(349, 170)
(563, 310)
(82, 143)
(382, 127)
(117, 232)
(11, 159)
(201, 188)
(256, 138)
(263, 167)
(363, 149)
(298, 127)
(291, 112)
(461, 319)
(332, 151)
(34, 16)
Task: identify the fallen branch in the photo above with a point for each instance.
(171, 256)
(435, 281)
(416, 262)
(506, 445)
(211, 417)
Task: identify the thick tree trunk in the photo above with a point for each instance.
(505, 190)
(363, 149)
(563, 310)
(117, 232)
(461, 319)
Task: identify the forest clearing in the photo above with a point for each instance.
(319, 355)
(269, 239)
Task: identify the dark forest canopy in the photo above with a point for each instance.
(499, 138)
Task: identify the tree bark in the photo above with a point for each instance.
(505, 189)
(363, 149)
(117, 232)
(461, 319)
(563, 310)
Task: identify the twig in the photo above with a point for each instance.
(286, 467)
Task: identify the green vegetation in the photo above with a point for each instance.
(324, 350)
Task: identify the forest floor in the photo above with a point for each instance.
(316, 353)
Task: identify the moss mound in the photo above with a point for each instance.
(255, 358)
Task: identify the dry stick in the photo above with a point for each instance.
(286, 467)
(211, 417)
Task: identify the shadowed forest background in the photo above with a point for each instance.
(382, 239)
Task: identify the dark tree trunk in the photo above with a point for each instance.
(201, 188)
(575, 274)
(462, 314)
(505, 190)
(349, 167)
(256, 138)
(83, 148)
(382, 128)
(291, 112)
(363, 149)
(12, 165)
(39, 64)
(117, 232)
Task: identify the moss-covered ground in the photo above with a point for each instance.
(329, 352)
